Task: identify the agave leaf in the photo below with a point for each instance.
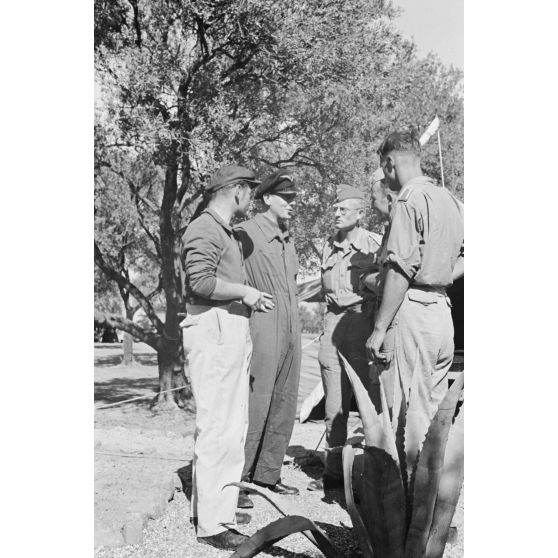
(280, 529)
(358, 525)
(428, 472)
(277, 502)
(449, 489)
(375, 433)
(383, 503)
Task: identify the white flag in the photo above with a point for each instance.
(429, 131)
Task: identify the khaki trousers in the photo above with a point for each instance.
(218, 349)
(420, 342)
(346, 332)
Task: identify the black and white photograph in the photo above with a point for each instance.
(279, 349)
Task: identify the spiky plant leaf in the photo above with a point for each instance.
(280, 529)
(383, 503)
(279, 503)
(428, 472)
(377, 429)
(358, 525)
(449, 489)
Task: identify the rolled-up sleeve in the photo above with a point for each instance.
(202, 249)
(404, 242)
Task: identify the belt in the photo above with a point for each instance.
(429, 289)
(236, 308)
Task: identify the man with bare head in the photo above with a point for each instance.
(413, 329)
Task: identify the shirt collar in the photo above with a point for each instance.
(219, 219)
(359, 243)
(269, 228)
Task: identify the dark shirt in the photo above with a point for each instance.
(210, 251)
(271, 261)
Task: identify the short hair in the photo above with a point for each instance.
(240, 182)
(400, 141)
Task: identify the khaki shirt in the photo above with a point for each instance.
(343, 263)
(211, 251)
(426, 234)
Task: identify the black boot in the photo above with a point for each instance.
(227, 540)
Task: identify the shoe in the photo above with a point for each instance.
(244, 501)
(243, 518)
(280, 488)
(326, 483)
(227, 540)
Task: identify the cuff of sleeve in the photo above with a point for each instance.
(406, 269)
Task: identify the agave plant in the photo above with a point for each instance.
(408, 491)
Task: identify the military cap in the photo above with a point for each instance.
(346, 192)
(280, 182)
(378, 175)
(229, 174)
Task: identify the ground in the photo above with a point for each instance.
(142, 466)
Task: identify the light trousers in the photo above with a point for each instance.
(218, 349)
(420, 343)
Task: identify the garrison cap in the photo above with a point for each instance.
(377, 175)
(229, 174)
(280, 182)
(346, 192)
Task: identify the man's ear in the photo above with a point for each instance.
(390, 163)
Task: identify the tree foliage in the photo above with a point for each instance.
(183, 87)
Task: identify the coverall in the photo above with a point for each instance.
(347, 326)
(217, 345)
(425, 239)
(271, 266)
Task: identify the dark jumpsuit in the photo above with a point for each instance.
(271, 266)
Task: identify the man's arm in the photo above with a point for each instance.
(203, 251)
(251, 297)
(459, 269)
(395, 287)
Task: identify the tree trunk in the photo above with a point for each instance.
(171, 375)
(128, 348)
(128, 342)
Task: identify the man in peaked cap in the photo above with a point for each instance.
(272, 266)
(347, 255)
(413, 331)
(218, 348)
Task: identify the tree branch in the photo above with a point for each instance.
(124, 283)
(124, 324)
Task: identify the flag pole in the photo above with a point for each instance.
(440, 152)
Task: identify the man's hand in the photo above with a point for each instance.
(373, 346)
(257, 300)
(371, 282)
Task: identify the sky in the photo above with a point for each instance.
(436, 25)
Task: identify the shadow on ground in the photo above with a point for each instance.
(119, 389)
(147, 359)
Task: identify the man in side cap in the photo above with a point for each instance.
(272, 266)
(217, 346)
(347, 255)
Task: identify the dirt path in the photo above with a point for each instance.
(139, 458)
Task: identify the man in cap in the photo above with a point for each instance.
(347, 255)
(413, 329)
(272, 266)
(218, 348)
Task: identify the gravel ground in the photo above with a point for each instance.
(132, 428)
(172, 536)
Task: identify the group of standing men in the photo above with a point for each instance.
(386, 311)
